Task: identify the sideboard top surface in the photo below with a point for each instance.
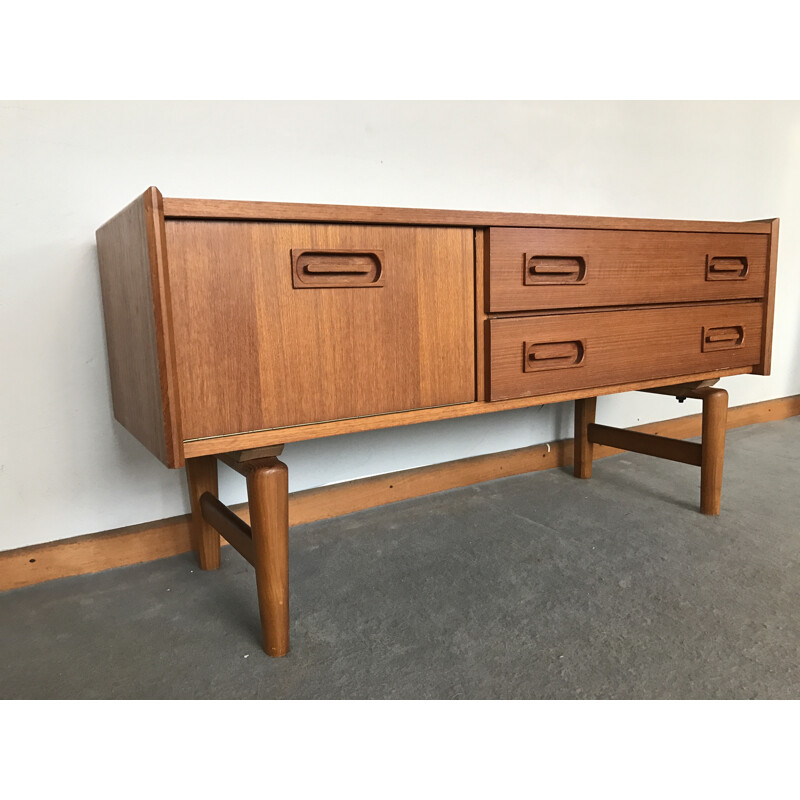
(187, 208)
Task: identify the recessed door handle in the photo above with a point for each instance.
(321, 268)
(554, 270)
(726, 338)
(331, 269)
(552, 355)
(726, 268)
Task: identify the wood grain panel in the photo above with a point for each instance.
(647, 443)
(621, 268)
(183, 208)
(617, 346)
(153, 540)
(299, 433)
(769, 301)
(136, 309)
(255, 353)
(480, 315)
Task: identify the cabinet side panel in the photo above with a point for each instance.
(769, 305)
(125, 253)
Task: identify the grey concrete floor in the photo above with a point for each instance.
(538, 586)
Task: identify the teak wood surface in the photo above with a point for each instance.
(264, 354)
(241, 326)
(619, 346)
(137, 309)
(769, 304)
(149, 541)
(191, 208)
(268, 496)
(708, 455)
(620, 268)
(202, 480)
(228, 525)
(585, 413)
(646, 443)
(321, 430)
(213, 348)
(715, 419)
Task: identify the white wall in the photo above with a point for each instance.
(66, 468)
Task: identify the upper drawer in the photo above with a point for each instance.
(540, 268)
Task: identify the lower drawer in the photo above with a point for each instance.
(564, 352)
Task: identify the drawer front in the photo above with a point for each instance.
(563, 352)
(280, 324)
(543, 268)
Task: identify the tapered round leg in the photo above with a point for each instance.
(268, 496)
(715, 420)
(201, 474)
(585, 410)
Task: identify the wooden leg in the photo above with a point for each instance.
(268, 495)
(201, 473)
(584, 416)
(715, 417)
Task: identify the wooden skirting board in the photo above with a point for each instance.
(152, 540)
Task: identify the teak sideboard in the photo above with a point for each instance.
(236, 327)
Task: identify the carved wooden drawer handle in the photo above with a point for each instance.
(334, 268)
(552, 355)
(319, 269)
(549, 270)
(726, 268)
(723, 338)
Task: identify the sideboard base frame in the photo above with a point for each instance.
(709, 454)
(264, 544)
